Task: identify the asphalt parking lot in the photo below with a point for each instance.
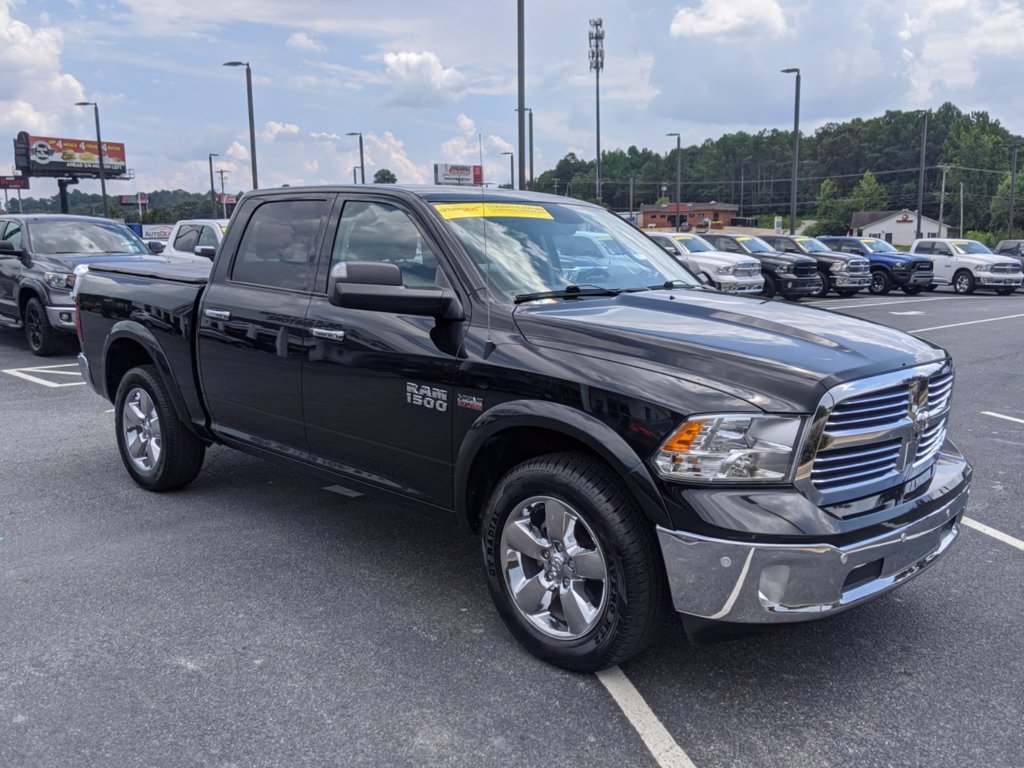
(259, 618)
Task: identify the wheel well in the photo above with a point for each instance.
(23, 298)
(123, 354)
(503, 452)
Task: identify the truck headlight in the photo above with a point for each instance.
(725, 270)
(781, 269)
(730, 447)
(60, 280)
(839, 266)
(983, 268)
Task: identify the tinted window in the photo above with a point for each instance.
(278, 248)
(13, 234)
(940, 249)
(187, 239)
(924, 248)
(383, 233)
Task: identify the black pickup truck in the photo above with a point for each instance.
(621, 437)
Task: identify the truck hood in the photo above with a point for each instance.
(69, 261)
(778, 357)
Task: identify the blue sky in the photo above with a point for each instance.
(422, 80)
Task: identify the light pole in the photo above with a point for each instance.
(213, 191)
(796, 149)
(99, 152)
(223, 202)
(252, 122)
(1013, 189)
(679, 176)
(920, 177)
(596, 37)
(355, 179)
(511, 168)
(362, 163)
(522, 170)
(521, 57)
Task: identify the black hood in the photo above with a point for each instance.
(777, 356)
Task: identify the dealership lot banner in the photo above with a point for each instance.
(445, 173)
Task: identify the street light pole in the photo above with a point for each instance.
(252, 121)
(796, 149)
(596, 37)
(920, 177)
(223, 202)
(99, 152)
(213, 191)
(679, 176)
(362, 163)
(528, 109)
(521, 56)
(511, 168)
(1013, 189)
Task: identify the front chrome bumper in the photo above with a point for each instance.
(998, 280)
(840, 280)
(61, 316)
(770, 583)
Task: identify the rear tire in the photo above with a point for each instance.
(847, 292)
(43, 339)
(912, 290)
(158, 450)
(1005, 291)
(963, 282)
(881, 283)
(572, 564)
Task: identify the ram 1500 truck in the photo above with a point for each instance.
(622, 443)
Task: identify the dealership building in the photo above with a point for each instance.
(665, 216)
(896, 227)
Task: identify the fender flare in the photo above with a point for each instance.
(582, 427)
(138, 333)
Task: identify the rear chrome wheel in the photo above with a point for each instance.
(140, 430)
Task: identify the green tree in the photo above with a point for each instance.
(384, 176)
(869, 195)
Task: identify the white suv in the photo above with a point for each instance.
(968, 264)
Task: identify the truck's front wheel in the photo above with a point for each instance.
(158, 450)
(572, 563)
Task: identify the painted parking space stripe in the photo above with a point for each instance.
(968, 322)
(36, 375)
(1001, 416)
(999, 535)
(853, 304)
(656, 738)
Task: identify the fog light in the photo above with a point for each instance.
(772, 589)
(65, 317)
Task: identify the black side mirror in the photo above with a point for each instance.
(206, 251)
(378, 287)
(155, 246)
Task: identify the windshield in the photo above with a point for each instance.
(879, 246)
(969, 246)
(693, 244)
(754, 244)
(83, 237)
(811, 245)
(529, 248)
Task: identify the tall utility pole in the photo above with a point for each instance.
(796, 149)
(252, 121)
(942, 198)
(961, 233)
(920, 178)
(522, 96)
(99, 153)
(213, 191)
(1013, 189)
(362, 162)
(528, 109)
(223, 202)
(596, 66)
(679, 176)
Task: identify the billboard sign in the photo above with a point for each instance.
(50, 156)
(13, 182)
(134, 199)
(156, 231)
(458, 175)
(227, 199)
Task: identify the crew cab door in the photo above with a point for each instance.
(252, 328)
(378, 385)
(10, 268)
(943, 260)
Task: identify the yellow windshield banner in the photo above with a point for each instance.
(491, 211)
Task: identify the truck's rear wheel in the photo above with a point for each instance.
(158, 450)
(572, 563)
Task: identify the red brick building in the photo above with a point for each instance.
(664, 216)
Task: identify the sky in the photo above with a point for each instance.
(431, 81)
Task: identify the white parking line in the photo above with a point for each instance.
(49, 370)
(1000, 416)
(656, 738)
(1005, 538)
(968, 322)
(852, 303)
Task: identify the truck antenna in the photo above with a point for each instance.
(489, 346)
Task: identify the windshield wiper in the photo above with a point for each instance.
(669, 285)
(569, 292)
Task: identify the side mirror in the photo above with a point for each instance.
(377, 287)
(7, 249)
(155, 246)
(667, 249)
(206, 251)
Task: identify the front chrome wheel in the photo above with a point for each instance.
(554, 568)
(140, 427)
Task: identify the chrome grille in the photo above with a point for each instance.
(1005, 269)
(748, 269)
(872, 435)
(858, 267)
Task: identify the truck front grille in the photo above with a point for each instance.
(805, 270)
(858, 267)
(1005, 269)
(748, 269)
(873, 435)
(921, 266)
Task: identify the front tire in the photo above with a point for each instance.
(1005, 291)
(963, 282)
(912, 290)
(823, 289)
(43, 339)
(881, 284)
(771, 288)
(572, 564)
(158, 450)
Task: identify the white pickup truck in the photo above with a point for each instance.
(191, 234)
(968, 264)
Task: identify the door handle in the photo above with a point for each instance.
(325, 333)
(217, 314)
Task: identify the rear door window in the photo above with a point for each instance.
(280, 245)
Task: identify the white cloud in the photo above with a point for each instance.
(387, 151)
(238, 151)
(729, 18)
(303, 42)
(325, 136)
(419, 79)
(275, 130)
